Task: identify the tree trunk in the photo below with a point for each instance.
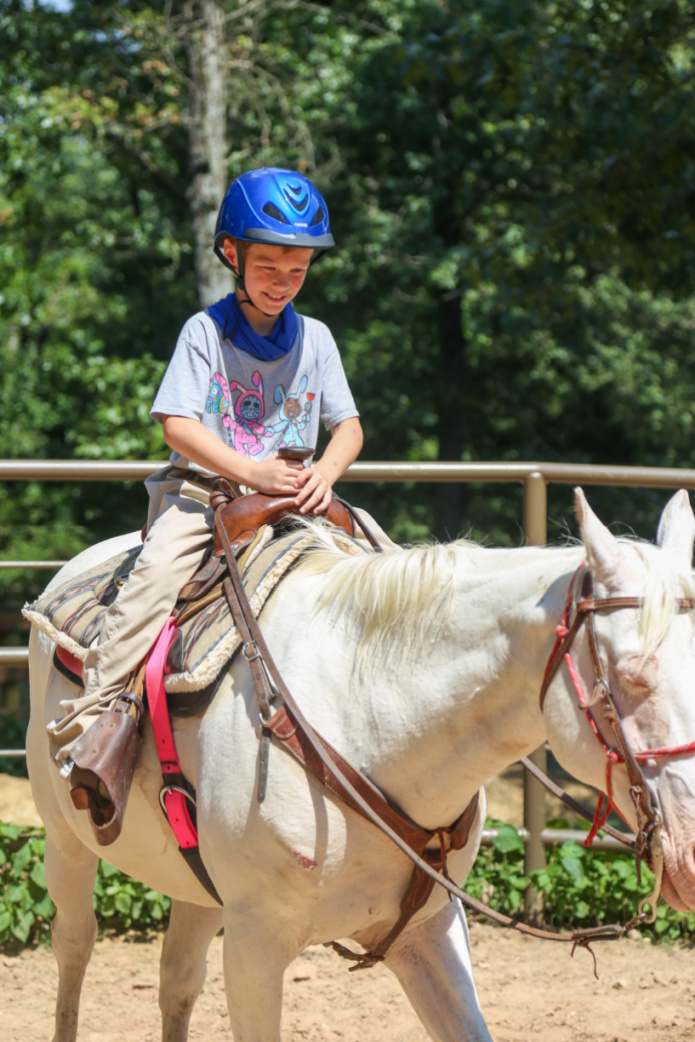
(452, 364)
(451, 424)
(206, 50)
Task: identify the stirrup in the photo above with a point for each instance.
(104, 759)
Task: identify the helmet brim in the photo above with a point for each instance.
(303, 240)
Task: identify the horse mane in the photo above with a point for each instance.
(399, 599)
(664, 575)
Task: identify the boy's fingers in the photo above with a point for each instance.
(317, 502)
(307, 499)
(323, 506)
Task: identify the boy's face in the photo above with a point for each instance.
(273, 275)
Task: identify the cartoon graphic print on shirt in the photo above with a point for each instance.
(243, 432)
(293, 418)
(218, 395)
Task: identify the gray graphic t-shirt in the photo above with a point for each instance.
(255, 406)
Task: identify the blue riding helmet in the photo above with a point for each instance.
(274, 206)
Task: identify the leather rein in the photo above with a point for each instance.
(289, 726)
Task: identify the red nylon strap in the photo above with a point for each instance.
(173, 801)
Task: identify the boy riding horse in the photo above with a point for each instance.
(223, 407)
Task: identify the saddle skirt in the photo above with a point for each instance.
(72, 615)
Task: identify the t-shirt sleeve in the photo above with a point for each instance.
(186, 382)
(337, 403)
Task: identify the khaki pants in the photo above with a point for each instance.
(179, 531)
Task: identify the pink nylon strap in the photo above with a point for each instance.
(174, 802)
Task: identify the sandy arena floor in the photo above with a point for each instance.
(528, 989)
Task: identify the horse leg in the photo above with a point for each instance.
(70, 874)
(183, 965)
(433, 964)
(256, 954)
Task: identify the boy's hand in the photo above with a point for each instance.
(315, 491)
(276, 476)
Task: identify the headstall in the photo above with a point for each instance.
(648, 843)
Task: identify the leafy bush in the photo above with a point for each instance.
(121, 902)
(26, 908)
(497, 877)
(580, 887)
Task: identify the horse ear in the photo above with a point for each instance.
(676, 529)
(602, 548)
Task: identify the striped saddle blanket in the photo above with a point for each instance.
(72, 615)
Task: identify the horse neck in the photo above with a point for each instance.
(453, 717)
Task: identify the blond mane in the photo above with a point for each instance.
(666, 579)
(396, 601)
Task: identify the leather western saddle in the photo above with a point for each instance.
(105, 756)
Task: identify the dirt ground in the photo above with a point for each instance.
(528, 988)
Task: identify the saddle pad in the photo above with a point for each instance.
(209, 639)
(72, 614)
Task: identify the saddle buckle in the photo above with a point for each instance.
(250, 651)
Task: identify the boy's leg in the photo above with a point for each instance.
(99, 733)
(170, 556)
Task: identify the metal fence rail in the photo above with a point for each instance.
(535, 477)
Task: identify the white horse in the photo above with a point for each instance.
(423, 668)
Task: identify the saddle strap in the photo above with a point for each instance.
(176, 797)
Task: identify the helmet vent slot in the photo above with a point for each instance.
(320, 216)
(276, 214)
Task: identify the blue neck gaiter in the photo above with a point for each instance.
(227, 313)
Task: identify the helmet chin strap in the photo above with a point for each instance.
(242, 285)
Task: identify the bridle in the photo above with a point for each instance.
(647, 844)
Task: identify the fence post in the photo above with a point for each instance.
(535, 534)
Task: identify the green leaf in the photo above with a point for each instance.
(124, 902)
(38, 875)
(45, 907)
(508, 840)
(21, 928)
(17, 894)
(108, 871)
(573, 865)
(21, 859)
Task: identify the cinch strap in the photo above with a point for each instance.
(174, 796)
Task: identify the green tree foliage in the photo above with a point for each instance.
(519, 216)
(94, 276)
(511, 187)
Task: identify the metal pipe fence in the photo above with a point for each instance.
(535, 478)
